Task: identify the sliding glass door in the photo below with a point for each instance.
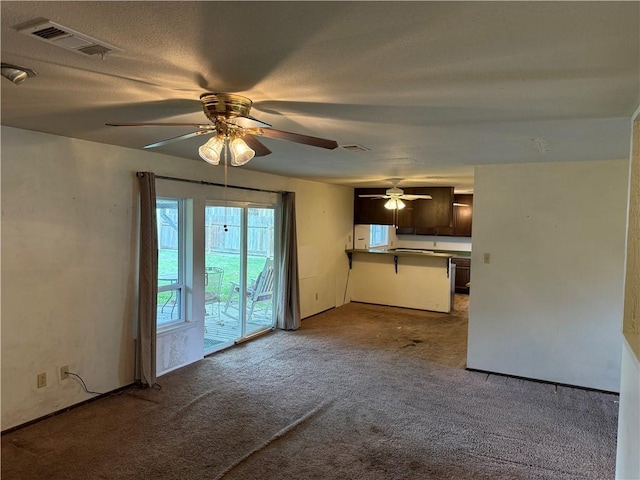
(260, 278)
(239, 273)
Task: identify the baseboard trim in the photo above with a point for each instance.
(567, 385)
(66, 409)
(404, 308)
(318, 313)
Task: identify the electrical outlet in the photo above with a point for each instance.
(349, 238)
(316, 295)
(64, 372)
(42, 380)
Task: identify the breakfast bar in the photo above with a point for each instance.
(403, 277)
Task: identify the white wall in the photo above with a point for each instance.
(627, 458)
(69, 213)
(548, 306)
(325, 221)
(421, 282)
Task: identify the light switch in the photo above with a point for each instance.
(487, 258)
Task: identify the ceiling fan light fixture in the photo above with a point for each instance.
(240, 152)
(234, 129)
(211, 150)
(394, 204)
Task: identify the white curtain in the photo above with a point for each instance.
(288, 304)
(148, 281)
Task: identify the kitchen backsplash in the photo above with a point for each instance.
(432, 242)
(460, 244)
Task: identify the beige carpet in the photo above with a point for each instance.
(359, 392)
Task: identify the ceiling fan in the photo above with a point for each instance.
(395, 196)
(234, 131)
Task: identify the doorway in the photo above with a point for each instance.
(240, 279)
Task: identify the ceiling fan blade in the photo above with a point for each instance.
(366, 195)
(256, 145)
(160, 124)
(294, 137)
(179, 137)
(415, 197)
(247, 121)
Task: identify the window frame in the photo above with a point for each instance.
(180, 285)
(244, 226)
(382, 228)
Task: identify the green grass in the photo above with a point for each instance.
(230, 264)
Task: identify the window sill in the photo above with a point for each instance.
(174, 327)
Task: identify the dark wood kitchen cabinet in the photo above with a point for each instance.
(463, 274)
(419, 217)
(462, 217)
(371, 211)
(426, 217)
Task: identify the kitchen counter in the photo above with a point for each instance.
(456, 253)
(402, 252)
(404, 277)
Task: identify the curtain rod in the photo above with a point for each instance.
(213, 184)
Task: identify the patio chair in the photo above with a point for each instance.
(259, 292)
(212, 288)
(172, 299)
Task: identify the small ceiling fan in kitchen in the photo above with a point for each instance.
(233, 131)
(395, 196)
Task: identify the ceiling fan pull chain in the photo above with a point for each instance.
(225, 151)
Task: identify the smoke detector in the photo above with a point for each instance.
(541, 144)
(66, 38)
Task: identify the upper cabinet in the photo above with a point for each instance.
(462, 215)
(371, 211)
(420, 217)
(426, 217)
(445, 214)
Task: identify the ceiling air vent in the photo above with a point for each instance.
(356, 148)
(66, 38)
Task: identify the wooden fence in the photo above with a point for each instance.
(260, 232)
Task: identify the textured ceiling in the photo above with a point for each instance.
(429, 88)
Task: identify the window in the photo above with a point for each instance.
(171, 261)
(378, 235)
